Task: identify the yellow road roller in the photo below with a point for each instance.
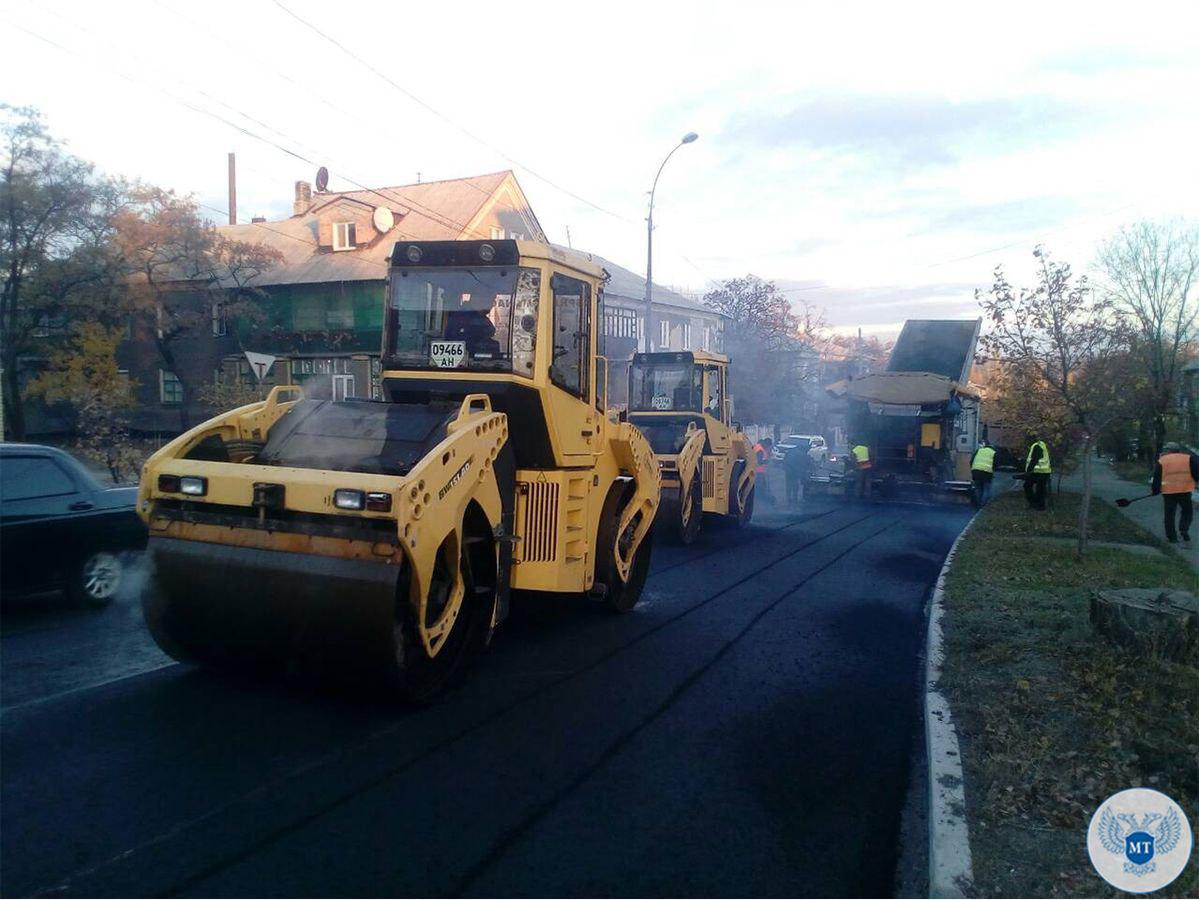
(681, 402)
(385, 537)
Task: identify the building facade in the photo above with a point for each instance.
(322, 307)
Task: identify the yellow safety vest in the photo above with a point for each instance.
(984, 460)
(1042, 467)
(862, 454)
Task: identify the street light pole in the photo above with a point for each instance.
(688, 138)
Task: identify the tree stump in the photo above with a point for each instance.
(1162, 623)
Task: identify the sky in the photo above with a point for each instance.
(876, 160)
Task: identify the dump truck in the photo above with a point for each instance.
(681, 402)
(919, 418)
(384, 537)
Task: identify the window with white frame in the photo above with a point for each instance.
(170, 388)
(707, 337)
(343, 236)
(619, 322)
(220, 322)
(497, 234)
(686, 336)
(663, 334)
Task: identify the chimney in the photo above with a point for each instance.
(232, 189)
(303, 198)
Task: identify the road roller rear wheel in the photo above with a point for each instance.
(419, 677)
(685, 527)
(740, 514)
(622, 594)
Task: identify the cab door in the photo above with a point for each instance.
(575, 418)
(714, 395)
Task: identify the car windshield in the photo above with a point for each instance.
(665, 385)
(451, 318)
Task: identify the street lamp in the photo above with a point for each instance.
(688, 138)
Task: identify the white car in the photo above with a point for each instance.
(817, 448)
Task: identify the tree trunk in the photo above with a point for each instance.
(14, 415)
(1161, 623)
(1084, 508)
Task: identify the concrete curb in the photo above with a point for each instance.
(950, 870)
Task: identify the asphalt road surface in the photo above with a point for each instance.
(747, 730)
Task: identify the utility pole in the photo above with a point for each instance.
(232, 189)
(688, 138)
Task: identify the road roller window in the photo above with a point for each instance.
(572, 334)
(662, 385)
(459, 318)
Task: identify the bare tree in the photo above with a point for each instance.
(1060, 341)
(180, 268)
(1152, 274)
(771, 346)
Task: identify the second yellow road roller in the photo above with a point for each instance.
(681, 402)
(386, 536)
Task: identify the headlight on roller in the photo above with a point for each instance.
(193, 485)
(343, 498)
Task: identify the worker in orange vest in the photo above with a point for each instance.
(762, 456)
(1174, 477)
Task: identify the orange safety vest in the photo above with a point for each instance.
(761, 456)
(1176, 473)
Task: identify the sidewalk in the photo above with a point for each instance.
(1107, 486)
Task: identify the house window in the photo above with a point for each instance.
(707, 337)
(686, 336)
(620, 322)
(220, 323)
(497, 234)
(663, 335)
(170, 389)
(516, 235)
(339, 316)
(343, 236)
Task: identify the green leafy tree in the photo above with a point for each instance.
(84, 377)
(55, 251)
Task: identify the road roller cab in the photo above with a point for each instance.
(681, 402)
(387, 535)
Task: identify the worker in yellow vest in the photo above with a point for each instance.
(1174, 477)
(1036, 474)
(862, 464)
(982, 470)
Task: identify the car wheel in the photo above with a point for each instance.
(98, 579)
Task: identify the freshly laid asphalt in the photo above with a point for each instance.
(746, 730)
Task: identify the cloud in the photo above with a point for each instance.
(1006, 217)
(911, 132)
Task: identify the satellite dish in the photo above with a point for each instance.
(383, 219)
(322, 179)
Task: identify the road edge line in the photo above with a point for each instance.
(950, 868)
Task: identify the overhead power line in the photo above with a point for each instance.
(395, 198)
(445, 118)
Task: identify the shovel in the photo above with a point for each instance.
(1124, 501)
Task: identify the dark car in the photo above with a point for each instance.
(60, 528)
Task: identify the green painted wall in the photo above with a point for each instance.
(341, 316)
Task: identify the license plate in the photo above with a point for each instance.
(447, 354)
